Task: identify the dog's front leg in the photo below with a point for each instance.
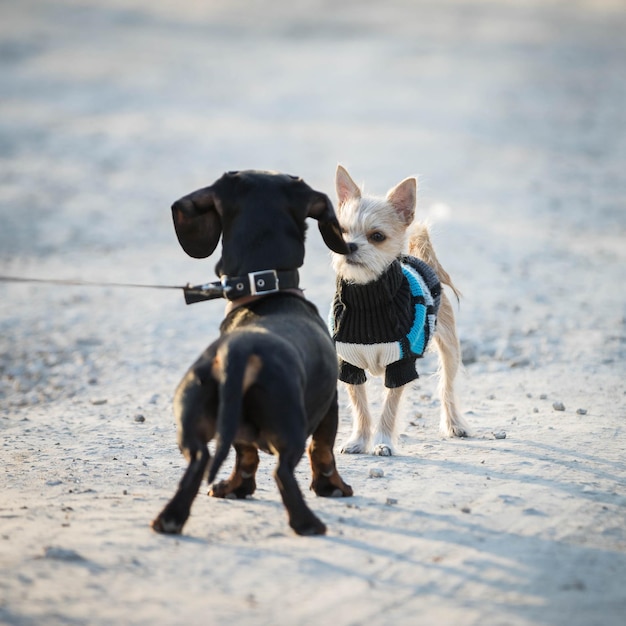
(326, 480)
(361, 421)
(173, 517)
(241, 482)
(384, 436)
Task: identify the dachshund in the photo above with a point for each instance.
(270, 379)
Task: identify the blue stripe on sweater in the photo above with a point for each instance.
(416, 335)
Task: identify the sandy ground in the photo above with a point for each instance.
(513, 115)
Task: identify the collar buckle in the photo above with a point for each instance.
(263, 282)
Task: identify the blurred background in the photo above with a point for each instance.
(111, 107)
(512, 114)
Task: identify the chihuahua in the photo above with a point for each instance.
(387, 308)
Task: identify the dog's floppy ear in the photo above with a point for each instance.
(321, 209)
(197, 223)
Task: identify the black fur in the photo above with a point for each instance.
(270, 379)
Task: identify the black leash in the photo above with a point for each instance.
(230, 287)
(192, 293)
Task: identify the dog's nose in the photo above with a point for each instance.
(353, 247)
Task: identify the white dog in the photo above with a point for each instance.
(387, 308)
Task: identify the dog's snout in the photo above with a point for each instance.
(352, 246)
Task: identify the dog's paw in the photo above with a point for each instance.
(460, 432)
(455, 430)
(166, 526)
(331, 486)
(382, 449)
(308, 526)
(227, 489)
(354, 446)
(452, 424)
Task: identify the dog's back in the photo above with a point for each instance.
(420, 246)
(278, 338)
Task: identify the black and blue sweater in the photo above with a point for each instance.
(385, 325)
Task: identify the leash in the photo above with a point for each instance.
(192, 293)
(231, 288)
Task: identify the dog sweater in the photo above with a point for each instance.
(385, 325)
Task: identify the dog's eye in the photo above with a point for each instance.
(377, 237)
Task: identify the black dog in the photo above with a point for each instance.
(270, 379)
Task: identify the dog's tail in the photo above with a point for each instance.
(421, 247)
(235, 368)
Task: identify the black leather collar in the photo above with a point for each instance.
(252, 284)
(259, 283)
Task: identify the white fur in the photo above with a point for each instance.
(368, 261)
(360, 218)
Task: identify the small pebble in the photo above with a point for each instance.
(416, 420)
(466, 509)
(581, 411)
(535, 410)
(376, 472)
(391, 501)
(98, 401)
(140, 418)
(543, 396)
(558, 406)
(500, 434)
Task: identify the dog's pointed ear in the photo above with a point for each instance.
(403, 198)
(346, 187)
(197, 223)
(321, 209)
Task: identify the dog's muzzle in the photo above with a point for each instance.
(234, 287)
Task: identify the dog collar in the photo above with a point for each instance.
(253, 284)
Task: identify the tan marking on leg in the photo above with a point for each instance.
(326, 480)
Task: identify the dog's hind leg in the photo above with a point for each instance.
(361, 421)
(326, 480)
(173, 517)
(301, 518)
(241, 482)
(446, 341)
(384, 436)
